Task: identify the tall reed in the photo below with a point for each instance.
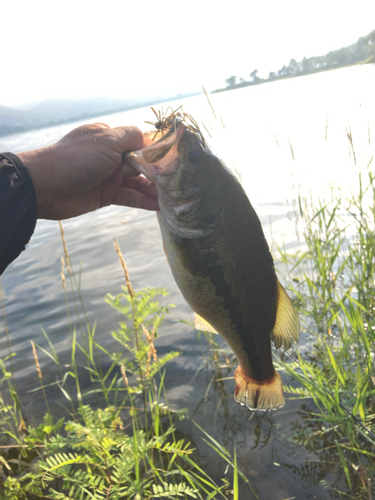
(333, 285)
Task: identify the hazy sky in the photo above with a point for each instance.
(133, 48)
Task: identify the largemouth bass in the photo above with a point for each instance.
(220, 259)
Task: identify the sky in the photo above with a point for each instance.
(144, 49)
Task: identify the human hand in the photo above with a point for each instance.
(81, 172)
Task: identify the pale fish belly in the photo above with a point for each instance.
(197, 290)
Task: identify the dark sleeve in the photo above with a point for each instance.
(18, 208)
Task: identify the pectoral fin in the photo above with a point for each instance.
(202, 324)
(286, 327)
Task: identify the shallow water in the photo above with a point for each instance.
(282, 138)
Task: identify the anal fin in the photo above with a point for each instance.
(201, 324)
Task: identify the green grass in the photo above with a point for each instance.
(124, 447)
(334, 289)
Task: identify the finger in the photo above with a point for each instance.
(126, 169)
(109, 188)
(102, 124)
(131, 198)
(141, 185)
(128, 138)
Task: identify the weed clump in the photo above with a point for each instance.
(127, 446)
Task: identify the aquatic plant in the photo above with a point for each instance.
(125, 447)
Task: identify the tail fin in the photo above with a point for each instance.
(258, 394)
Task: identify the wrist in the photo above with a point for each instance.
(38, 165)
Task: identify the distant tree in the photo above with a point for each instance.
(293, 67)
(371, 42)
(284, 71)
(319, 61)
(272, 75)
(342, 56)
(254, 77)
(370, 52)
(242, 80)
(364, 49)
(231, 82)
(330, 59)
(305, 65)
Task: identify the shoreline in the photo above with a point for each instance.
(288, 77)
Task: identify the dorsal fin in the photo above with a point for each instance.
(202, 324)
(286, 326)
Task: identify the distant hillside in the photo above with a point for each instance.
(56, 111)
(17, 117)
(363, 51)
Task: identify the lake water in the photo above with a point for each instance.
(281, 138)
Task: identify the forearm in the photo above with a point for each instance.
(18, 208)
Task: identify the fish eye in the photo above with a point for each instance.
(193, 157)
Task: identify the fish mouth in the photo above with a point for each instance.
(159, 157)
